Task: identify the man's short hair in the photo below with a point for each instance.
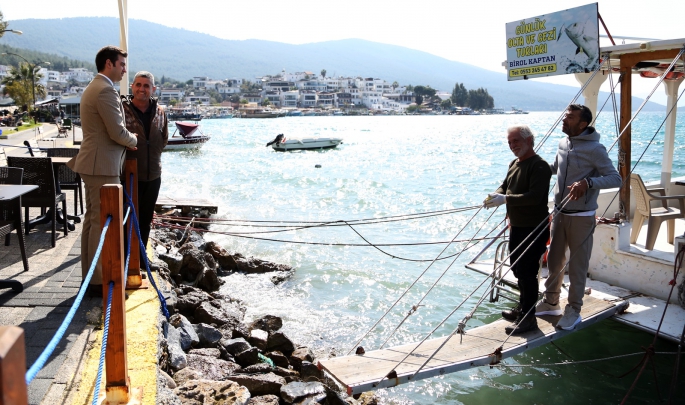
(523, 130)
(146, 75)
(108, 53)
(585, 113)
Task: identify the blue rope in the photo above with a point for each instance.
(162, 300)
(47, 352)
(103, 349)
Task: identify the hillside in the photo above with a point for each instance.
(181, 54)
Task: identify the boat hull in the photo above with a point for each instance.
(192, 142)
(306, 144)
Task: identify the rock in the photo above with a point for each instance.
(248, 357)
(335, 398)
(174, 261)
(193, 262)
(170, 383)
(259, 368)
(286, 373)
(368, 398)
(189, 299)
(319, 399)
(297, 391)
(214, 353)
(299, 355)
(254, 266)
(279, 359)
(268, 323)
(261, 384)
(263, 400)
(171, 300)
(187, 374)
(209, 280)
(281, 276)
(235, 346)
(209, 259)
(225, 260)
(241, 331)
(310, 372)
(278, 341)
(177, 357)
(187, 332)
(209, 336)
(212, 393)
(218, 313)
(211, 368)
(258, 338)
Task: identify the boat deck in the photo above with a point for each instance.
(644, 311)
(360, 373)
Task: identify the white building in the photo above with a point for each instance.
(290, 98)
(166, 95)
(81, 75)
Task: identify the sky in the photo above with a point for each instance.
(470, 32)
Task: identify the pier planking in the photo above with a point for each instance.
(361, 373)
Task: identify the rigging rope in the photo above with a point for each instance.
(412, 284)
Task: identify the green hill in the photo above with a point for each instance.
(181, 54)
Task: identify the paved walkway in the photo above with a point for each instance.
(50, 286)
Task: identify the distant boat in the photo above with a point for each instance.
(515, 110)
(179, 114)
(281, 144)
(187, 138)
(260, 113)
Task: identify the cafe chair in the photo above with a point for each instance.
(10, 212)
(38, 171)
(643, 202)
(67, 178)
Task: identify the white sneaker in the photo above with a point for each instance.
(545, 308)
(570, 319)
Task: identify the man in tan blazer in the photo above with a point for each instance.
(101, 158)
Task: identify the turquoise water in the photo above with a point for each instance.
(388, 166)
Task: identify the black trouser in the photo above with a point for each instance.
(148, 191)
(528, 264)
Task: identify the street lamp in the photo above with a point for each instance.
(15, 31)
(33, 74)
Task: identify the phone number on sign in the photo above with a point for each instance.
(534, 70)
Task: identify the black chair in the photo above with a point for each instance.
(67, 178)
(38, 171)
(10, 212)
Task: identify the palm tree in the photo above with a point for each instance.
(323, 73)
(21, 83)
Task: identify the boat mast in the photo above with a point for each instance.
(123, 42)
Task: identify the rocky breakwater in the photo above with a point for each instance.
(208, 354)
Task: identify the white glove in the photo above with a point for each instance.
(494, 200)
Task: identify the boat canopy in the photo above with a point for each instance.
(186, 129)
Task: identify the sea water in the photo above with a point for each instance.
(393, 166)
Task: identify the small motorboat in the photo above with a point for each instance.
(281, 144)
(188, 137)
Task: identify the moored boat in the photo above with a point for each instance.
(187, 138)
(281, 144)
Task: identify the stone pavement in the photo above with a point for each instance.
(50, 287)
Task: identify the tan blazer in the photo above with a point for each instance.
(105, 137)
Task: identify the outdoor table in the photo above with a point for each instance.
(14, 192)
(44, 219)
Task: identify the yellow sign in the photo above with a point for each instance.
(533, 70)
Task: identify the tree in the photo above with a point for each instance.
(394, 85)
(18, 84)
(426, 91)
(460, 96)
(480, 99)
(418, 98)
(446, 104)
(3, 25)
(266, 102)
(244, 101)
(323, 73)
(234, 98)
(173, 102)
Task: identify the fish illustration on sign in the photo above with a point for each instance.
(586, 42)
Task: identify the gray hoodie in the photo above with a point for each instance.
(581, 157)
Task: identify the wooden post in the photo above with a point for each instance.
(134, 278)
(12, 366)
(624, 144)
(112, 257)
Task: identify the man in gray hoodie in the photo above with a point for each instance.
(583, 167)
